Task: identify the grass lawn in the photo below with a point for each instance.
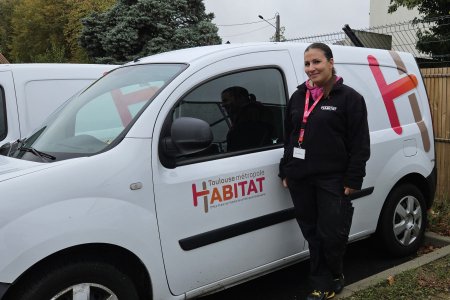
(420, 283)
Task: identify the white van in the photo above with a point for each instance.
(131, 191)
(30, 92)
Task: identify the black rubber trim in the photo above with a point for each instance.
(230, 231)
(3, 288)
(432, 182)
(234, 230)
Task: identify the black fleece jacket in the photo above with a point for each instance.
(336, 136)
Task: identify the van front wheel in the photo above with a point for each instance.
(80, 280)
(403, 220)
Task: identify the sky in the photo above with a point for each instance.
(300, 18)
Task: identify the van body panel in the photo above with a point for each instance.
(52, 221)
(19, 168)
(203, 221)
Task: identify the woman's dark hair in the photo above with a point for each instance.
(325, 49)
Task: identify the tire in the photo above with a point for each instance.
(403, 220)
(94, 280)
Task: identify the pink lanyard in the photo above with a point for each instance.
(306, 114)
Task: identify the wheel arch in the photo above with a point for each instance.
(421, 183)
(418, 181)
(118, 256)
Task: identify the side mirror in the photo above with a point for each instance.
(187, 136)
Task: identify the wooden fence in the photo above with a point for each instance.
(437, 82)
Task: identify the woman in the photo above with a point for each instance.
(326, 149)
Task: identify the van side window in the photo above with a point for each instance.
(3, 128)
(245, 110)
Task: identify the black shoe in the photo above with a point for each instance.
(338, 284)
(320, 295)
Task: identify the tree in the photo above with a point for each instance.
(45, 30)
(135, 28)
(6, 11)
(72, 30)
(434, 40)
(37, 26)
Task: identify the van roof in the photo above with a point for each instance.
(342, 54)
(49, 66)
(31, 72)
(189, 55)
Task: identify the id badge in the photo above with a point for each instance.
(299, 153)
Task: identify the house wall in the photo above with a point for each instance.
(379, 15)
(3, 60)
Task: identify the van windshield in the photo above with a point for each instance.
(97, 118)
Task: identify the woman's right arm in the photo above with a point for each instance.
(288, 127)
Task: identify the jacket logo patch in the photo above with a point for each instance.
(327, 107)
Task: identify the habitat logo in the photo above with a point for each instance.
(215, 193)
(405, 84)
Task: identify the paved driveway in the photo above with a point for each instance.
(363, 259)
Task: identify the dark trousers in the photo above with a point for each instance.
(324, 214)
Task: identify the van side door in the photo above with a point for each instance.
(222, 212)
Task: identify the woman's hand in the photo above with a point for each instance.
(348, 191)
(285, 183)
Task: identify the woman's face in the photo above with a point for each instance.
(317, 67)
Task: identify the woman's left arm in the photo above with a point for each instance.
(358, 141)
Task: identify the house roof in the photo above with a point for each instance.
(3, 60)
